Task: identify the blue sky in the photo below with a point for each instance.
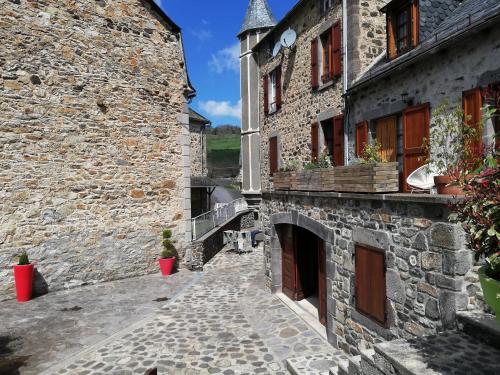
(209, 30)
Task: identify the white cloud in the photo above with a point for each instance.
(226, 59)
(221, 109)
(202, 35)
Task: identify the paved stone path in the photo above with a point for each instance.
(222, 322)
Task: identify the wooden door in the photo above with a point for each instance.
(338, 141)
(322, 292)
(386, 132)
(370, 283)
(415, 129)
(288, 260)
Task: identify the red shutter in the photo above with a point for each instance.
(415, 129)
(338, 141)
(337, 50)
(265, 86)
(278, 87)
(361, 137)
(370, 283)
(273, 155)
(391, 37)
(314, 63)
(314, 141)
(472, 103)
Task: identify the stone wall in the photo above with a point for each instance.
(426, 259)
(469, 63)
(92, 157)
(198, 151)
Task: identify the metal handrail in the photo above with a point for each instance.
(204, 223)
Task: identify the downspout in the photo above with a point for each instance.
(345, 78)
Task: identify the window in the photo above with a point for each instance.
(491, 97)
(273, 155)
(370, 283)
(326, 56)
(402, 27)
(272, 91)
(326, 5)
(333, 135)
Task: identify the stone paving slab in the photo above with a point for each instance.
(314, 364)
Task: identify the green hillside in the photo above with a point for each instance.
(223, 154)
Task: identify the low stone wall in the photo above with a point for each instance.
(209, 245)
(426, 259)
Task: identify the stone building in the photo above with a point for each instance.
(94, 135)
(371, 267)
(197, 128)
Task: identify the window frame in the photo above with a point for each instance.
(412, 24)
(273, 95)
(326, 42)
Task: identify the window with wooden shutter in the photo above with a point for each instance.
(314, 141)
(361, 137)
(415, 129)
(265, 86)
(273, 155)
(472, 104)
(338, 141)
(314, 64)
(403, 21)
(370, 283)
(278, 87)
(337, 50)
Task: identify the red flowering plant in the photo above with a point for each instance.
(479, 213)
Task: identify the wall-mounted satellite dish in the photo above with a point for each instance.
(288, 38)
(277, 48)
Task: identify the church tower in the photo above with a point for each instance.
(258, 21)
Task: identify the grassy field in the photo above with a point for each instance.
(223, 154)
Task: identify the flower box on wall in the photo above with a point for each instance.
(282, 180)
(367, 178)
(314, 180)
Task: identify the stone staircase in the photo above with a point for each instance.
(472, 349)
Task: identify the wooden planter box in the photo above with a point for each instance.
(367, 178)
(314, 180)
(283, 180)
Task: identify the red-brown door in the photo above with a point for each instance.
(289, 264)
(415, 129)
(322, 282)
(338, 141)
(472, 104)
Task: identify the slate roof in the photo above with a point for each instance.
(433, 13)
(258, 16)
(193, 115)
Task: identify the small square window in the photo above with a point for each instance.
(326, 57)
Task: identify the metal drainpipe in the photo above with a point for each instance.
(345, 70)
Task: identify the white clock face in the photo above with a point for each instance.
(277, 48)
(288, 38)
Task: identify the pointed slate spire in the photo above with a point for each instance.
(258, 16)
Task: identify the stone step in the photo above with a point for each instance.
(334, 370)
(448, 353)
(354, 367)
(368, 365)
(480, 325)
(343, 367)
(313, 364)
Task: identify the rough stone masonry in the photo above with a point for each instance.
(92, 139)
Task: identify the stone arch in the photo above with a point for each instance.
(296, 218)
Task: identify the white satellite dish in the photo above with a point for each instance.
(288, 38)
(277, 48)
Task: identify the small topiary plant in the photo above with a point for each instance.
(23, 259)
(169, 250)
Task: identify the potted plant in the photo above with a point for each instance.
(23, 276)
(167, 255)
(449, 148)
(368, 174)
(479, 212)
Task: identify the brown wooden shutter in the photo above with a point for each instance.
(391, 38)
(361, 137)
(265, 85)
(472, 104)
(273, 155)
(415, 23)
(370, 283)
(338, 141)
(415, 129)
(314, 141)
(386, 132)
(314, 64)
(289, 272)
(278, 87)
(336, 60)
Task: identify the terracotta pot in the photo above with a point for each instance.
(166, 265)
(23, 276)
(447, 186)
(491, 291)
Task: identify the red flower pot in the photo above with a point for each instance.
(448, 186)
(166, 265)
(24, 281)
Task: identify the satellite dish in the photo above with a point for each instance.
(288, 38)
(277, 48)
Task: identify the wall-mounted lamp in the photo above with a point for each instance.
(404, 96)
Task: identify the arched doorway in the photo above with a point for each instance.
(303, 267)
